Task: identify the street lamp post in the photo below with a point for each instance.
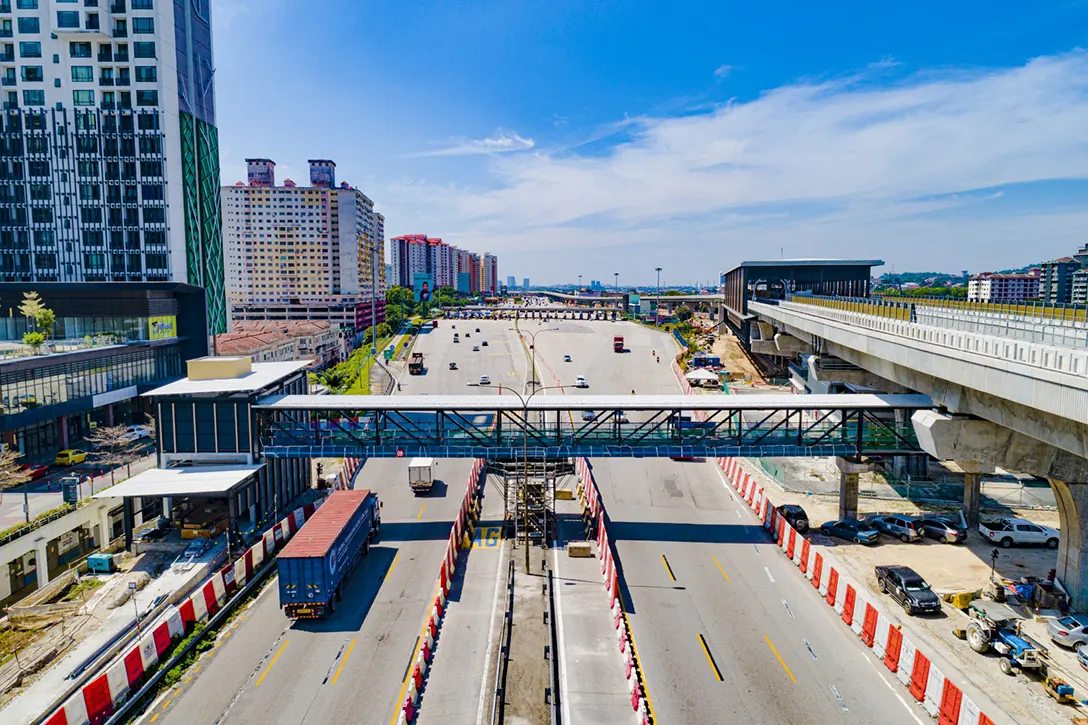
(532, 350)
(657, 307)
(525, 457)
(617, 284)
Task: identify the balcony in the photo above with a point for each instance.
(8, 80)
(7, 57)
(92, 23)
(105, 81)
(121, 56)
(105, 56)
(121, 81)
(5, 7)
(118, 7)
(117, 33)
(7, 33)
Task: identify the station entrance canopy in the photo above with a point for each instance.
(205, 481)
(637, 426)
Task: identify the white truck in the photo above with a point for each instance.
(421, 474)
(1007, 532)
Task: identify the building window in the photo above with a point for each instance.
(143, 5)
(147, 98)
(27, 4)
(155, 215)
(34, 98)
(67, 19)
(83, 98)
(83, 74)
(33, 73)
(149, 122)
(143, 50)
(30, 49)
(29, 25)
(146, 74)
(143, 26)
(79, 50)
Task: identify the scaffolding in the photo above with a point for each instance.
(528, 491)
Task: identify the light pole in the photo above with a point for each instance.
(532, 350)
(525, 456)
(617, 285)
(373, 300)
(657, 307)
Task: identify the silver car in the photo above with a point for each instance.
(899, 526)
(1072, 631)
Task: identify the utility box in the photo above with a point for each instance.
(101, 564)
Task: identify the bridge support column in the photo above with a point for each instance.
(849, 472)
(972, 489)
(1072, 558)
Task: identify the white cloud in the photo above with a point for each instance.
(501, 142)
(722, 71)
(824, 169)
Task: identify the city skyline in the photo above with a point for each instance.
(943, 149)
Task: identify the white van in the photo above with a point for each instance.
(421, 474)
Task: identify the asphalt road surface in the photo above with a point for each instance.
(351, 666)
(726, 629)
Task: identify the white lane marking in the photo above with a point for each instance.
(737, 512)
(490, 641)
(563, 688)
(766, 569)
(810, 651)
(788, 610)
(838, 697)
(895, 692)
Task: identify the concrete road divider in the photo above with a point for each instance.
(939, 695)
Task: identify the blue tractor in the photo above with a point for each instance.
(997, 625)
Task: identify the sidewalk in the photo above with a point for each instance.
(591, 669)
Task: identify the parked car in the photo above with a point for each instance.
(196, 547)
(580, 382)
(588, 415)
(70, 457)
(901, 527)
(152, 535)
(907, 587)
(484, 343)
(137, 432)
(1007, 532)
(1071, 631)
(477, 329)
(566, 358)
(946, 532)
(795, 516)
(484, 380)
(1082, 656)
(475, 348)
(453, 366)
(851, 530)
(33, 471)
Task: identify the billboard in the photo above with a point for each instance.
(422, 285)
(162, 327)
(464, 282)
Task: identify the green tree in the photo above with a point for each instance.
(11, 473)
(671, 293)
(111, 445)
(32, 306)
(45, 320)
(35, 340)
(683, 313)
(395, 315)
(401, 296)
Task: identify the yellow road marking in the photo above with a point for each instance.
(780, 660)
(166, 704)
(276, 657)
(721, 569)
(343, 661)
(391, 568)
(421, 510)
(710, 659)
(667, 567)
(154, 717)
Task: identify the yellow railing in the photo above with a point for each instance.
(901, 308)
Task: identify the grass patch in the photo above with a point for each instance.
(80, 589)
(12, 640)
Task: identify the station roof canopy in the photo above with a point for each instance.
(478, 403)
(814, 263)
(184, 481)
(262, 375)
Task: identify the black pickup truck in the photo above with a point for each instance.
(907, 587)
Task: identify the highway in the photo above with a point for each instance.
(351, 666)
(726, 628)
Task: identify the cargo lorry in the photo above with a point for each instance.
(316, 563)
(617, 343)
(421, 475)
(415, 364)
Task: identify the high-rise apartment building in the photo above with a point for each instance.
(109, 154)
(525, 283)
(320, 243)
(511, 281)
(489, 274)
(1058, 277)
(413, 254)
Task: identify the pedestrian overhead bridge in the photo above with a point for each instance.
(638, 426)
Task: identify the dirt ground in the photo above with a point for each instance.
(728, 348)
(951, 568)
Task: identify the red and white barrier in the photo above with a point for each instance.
(414, 685)
(96, 700)
(939, 695)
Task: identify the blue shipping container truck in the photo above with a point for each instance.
(316, 562)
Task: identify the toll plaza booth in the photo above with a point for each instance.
(199, 501)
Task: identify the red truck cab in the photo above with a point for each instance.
(617, 343)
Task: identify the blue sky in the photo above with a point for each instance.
(574, 137)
